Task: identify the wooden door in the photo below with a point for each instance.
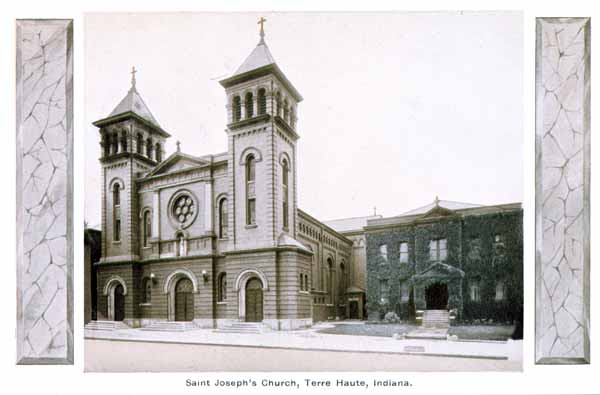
(184, 300)
(254, 301)
(119, 301)
(353, 310)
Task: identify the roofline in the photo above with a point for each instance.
(130, 114)
(411, 219)
(341, 236)
(264, 70)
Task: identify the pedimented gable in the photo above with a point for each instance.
(177, 162)
(436, 212)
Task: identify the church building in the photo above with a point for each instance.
(218, 239)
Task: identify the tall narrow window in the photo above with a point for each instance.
(286, 111)
(384, 291)
(116, 212)
(249, 104)
(139, 144)
(500, 291)
(222, 288)
(292, 118)
(115, 143)
(474, 291)
(403, 252)
(383, 253)
(147, 290)
(262, 101)
(237, 109)
(250, 190)
(123, 141)
(147, 234)
(158, 152)
(223, 219)
(438, 250)
(278, 102)
(285, 168)
(149, 148)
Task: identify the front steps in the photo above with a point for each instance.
(105, 326)
(244, 327)
(438, 319)
(170, 326)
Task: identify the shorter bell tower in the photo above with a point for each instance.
(131, 142)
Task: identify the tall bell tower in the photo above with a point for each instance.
(262, 134)
(132, 142)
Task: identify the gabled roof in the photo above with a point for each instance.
(176, 162)
(133, 102)
(449, 204)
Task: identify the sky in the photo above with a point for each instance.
(398, 107)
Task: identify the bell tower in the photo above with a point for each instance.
(262, 135)
(132, 142)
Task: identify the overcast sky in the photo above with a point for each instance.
(398, 108)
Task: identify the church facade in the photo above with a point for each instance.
(217, 239)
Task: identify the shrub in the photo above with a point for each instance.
(391, 317)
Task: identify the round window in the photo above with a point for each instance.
(183, 209)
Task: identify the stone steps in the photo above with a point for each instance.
(105, 326)
(435, 319)
(244, 327)
(170, 326)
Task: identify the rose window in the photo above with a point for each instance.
(183, 209)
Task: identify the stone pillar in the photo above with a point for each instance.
(208, 207)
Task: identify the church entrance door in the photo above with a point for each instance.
(353, 310)
(119, 301)
(184, 300)
(254, 300)
(436, 296)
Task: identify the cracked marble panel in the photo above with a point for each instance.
(562, 190)
(44, 104)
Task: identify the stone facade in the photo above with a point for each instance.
(469, 260)
(217, 238)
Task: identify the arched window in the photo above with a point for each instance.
(147, 229)
(306, 282)
(149, 148)
(250, 192)
(223, 218)
(500, 291)
(180, 246)
(286, 111)
(330, 279)
(147, 290)
(158, 152)
(139, 144)
(236, 108)
(262, 101)
(115, 143)
(105, 145)
(123, 141)
(285, 168)
(343, 285)
(292, 118)
(249, 105)
(222, 288)
(116, 212)
(278, 101)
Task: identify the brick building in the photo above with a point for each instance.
(447, 256)
(217, 239)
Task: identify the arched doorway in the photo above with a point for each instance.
(436, 296)
(254, 300)
(184, 300)
(119, 301)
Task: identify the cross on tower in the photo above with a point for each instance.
(178, 143)
(133, 71)
(261, 22)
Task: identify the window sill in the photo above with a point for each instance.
(147, 248)
(223, 302)
(145, 304)
(116, 241)
(304, 292)
(223, 238)
(251, 226)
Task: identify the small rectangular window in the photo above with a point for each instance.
(117, 230)
(383, 252)
(404, 252)
(384, 290)
(251, 215)
(500, 294)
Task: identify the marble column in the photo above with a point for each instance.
(562, 325)
(44, 104)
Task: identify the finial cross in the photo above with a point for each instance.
(261, 22)
(178, 143)
(133, 71)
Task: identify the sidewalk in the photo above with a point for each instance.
(309, 339)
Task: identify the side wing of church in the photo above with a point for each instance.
(217, 239)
